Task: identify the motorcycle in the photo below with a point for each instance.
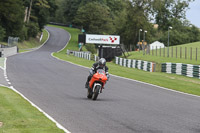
(96, 84)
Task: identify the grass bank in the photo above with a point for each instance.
(171, 81)
(18, 116)
(183, 54)
(32, 43)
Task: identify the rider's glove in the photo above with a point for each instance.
(107, 75)
(91, 72)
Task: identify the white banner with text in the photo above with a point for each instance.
(102, 39)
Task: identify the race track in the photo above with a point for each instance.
(125, 106)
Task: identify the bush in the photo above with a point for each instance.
(24, 35)
(33, 29)
(91, 48)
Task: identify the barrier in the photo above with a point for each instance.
(188, 70)
(139, 64)
(5, 52)
(85, 55)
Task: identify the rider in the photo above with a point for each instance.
(101, 64)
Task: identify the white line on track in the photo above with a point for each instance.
(12, 88)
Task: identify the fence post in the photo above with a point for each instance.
(152, 50)
(160, 51)
(191, 53)
(176, 52)
(181, 52)
(185, 52)
(149, 50)
(164, 52)
(196, 54)
(156, 50)
(172, 51)
(89, 56)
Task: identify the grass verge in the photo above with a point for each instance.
(32, 43)
(171, 81)
(18, 116)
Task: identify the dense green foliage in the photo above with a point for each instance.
(24, 18)
(11, 17)
(126, 18)
(94, 11)
(120, 17)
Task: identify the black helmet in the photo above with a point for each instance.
(102, 62)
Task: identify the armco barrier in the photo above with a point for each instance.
(5, 52)
(85, 55)
(182, 69)
(139, 64)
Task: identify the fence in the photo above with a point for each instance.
(12, 41)
(182, 69)
(139, 64)
(173, 52)
(96, 58)
(85, 55)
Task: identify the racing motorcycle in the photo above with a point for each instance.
(96, 84)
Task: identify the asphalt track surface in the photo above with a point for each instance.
(125, 106)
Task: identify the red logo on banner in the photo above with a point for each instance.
(113, 40)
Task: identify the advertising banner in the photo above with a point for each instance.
(102, 39)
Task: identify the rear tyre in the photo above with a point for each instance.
(89, 93)
(96, 92)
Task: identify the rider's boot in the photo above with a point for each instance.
(87, 84)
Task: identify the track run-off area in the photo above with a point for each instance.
(125, 106)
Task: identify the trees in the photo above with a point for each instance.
(168, 10)
(122, 17)
(70, 8)
(172, 13)
(136, 18)
(2, 33)
(11, 16)
(125, 18)
(95, 18)
(42, 9)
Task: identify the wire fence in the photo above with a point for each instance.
(12, 41)
(190, 53)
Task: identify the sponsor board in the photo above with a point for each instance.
(102, 39)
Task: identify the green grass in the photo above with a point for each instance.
(32, 43)
(160, 59)
(73, 44)
(18, 116)
(171, 81)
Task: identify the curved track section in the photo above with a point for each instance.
(125, 106)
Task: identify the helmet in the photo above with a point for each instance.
(102, 62)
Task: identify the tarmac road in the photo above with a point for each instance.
(125, 106)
